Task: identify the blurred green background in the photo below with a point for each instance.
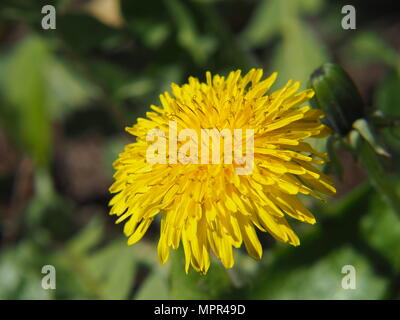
(67, 94)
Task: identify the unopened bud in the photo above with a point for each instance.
(337, 95)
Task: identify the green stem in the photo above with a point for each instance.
(378, 176)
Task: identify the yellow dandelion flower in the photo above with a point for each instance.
(203, 199)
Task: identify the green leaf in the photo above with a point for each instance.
(271, 18)
(66, 89)
(298, 55)
(9, 275)
(321, 279)
(27, 111)
(88, 238)
(379, 178)
(363, 127)
(299, 52)
(387, 100)
(264, 24)
(216, 284)
(199, 46)
(314, 269)
(152, 32)
(154, 287)
(121, 273)
(108, 272)
(311, 6)
(136, 88)
(48, 216)
(381, 228)
(387, 95)
(20, 272)
(369, 46)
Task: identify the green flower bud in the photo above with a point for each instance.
(337, 95)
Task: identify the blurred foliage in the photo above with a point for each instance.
(67, 94)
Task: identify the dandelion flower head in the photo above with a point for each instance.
(210, 208)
